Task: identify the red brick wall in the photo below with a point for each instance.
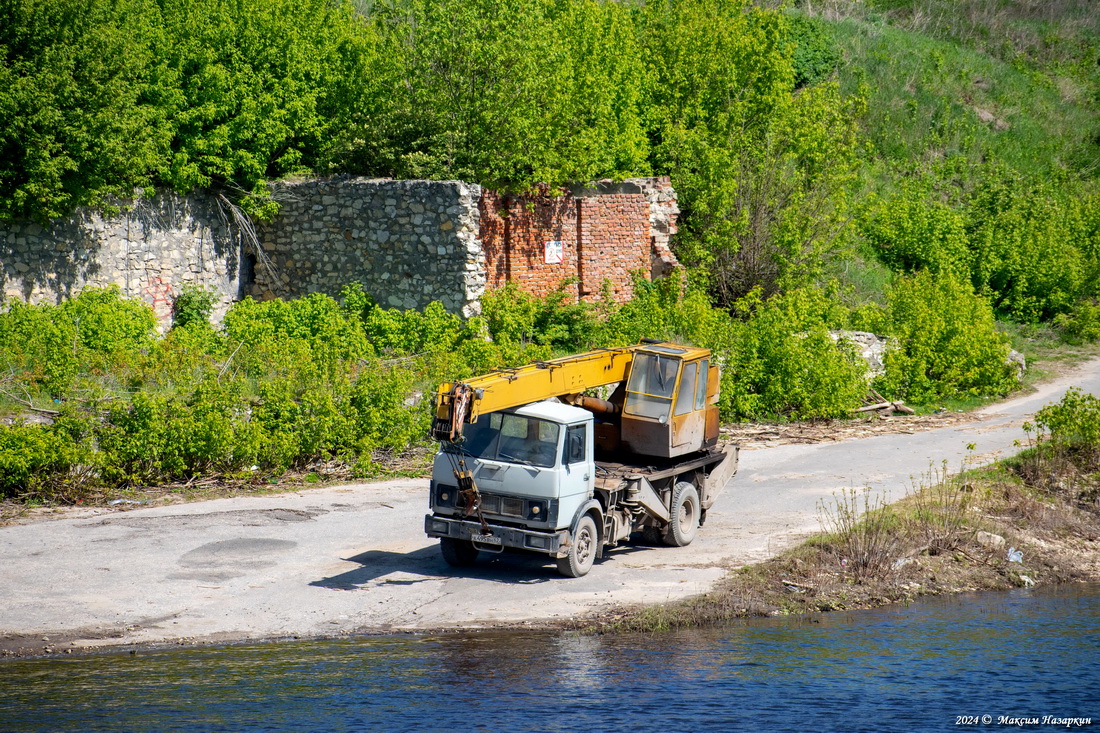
(612, 231)
(491, 210)
(614, 243)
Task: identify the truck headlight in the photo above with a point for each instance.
(536, 510)
(445, 495)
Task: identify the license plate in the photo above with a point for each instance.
(487, 539)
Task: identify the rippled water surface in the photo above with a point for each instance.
(1016, 654)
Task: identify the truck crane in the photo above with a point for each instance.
(527, 461)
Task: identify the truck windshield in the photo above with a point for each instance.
(502, 436)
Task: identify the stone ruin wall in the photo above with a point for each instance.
(149, 251)
(408, 242)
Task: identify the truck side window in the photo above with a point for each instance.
(575, 451)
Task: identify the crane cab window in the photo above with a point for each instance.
(701, 388)
(685, 398)
(651, 385)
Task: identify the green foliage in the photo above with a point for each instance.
(48, 346)
(668, 309)
(910, 232)
(782, 361)
(508, 94)
(762, 172)
(1082, 324)
(80, 118)
(1033, 249)
(193, 305)
(945, 341)
(1074, 420)
(286, 384)
(516, 318)
(98, 97)
(816, 55)
(40, 462)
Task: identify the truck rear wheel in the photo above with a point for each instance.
(457, 553)
(683, 521)
(582, 553)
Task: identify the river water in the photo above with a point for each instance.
(929, 666)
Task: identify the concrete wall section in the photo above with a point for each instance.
(149, 251)
(408, 242)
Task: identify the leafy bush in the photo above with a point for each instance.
(49, 346)
(39, 462)
(911, 233)
(517, 318)
(816, 55)
(946, 342)
(194, 304)
(1075, 419)
(1082, 324)
(782, 361)
(1027, 253)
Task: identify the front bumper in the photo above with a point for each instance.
(553, 543)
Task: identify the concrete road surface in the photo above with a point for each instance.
(354, 558)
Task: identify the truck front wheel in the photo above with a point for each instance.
(582, 553)
(683, 521)
(458, 553)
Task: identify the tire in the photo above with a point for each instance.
(683, 521)
(458, 553)
(652, 535)
(582, 553)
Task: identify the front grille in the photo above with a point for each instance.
(505, 506)
(512, 507)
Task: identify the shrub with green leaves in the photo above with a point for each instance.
(49, 346)
(1074, 420)
(1082, 324)
(782, 362)
(193, 305)
(1030, 249)
(41, 462)
(945, 341)
(910, 232)
(516, 318)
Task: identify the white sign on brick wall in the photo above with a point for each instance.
(553, 252)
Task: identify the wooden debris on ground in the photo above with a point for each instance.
(759, 435)
(876, 403)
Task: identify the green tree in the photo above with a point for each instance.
(81, 118)
(761, 170)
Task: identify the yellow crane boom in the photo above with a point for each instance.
(458, 402)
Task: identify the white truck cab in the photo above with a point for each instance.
(533, 466)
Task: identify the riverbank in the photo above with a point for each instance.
(1030, 520)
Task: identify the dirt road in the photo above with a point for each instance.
(354, 558)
